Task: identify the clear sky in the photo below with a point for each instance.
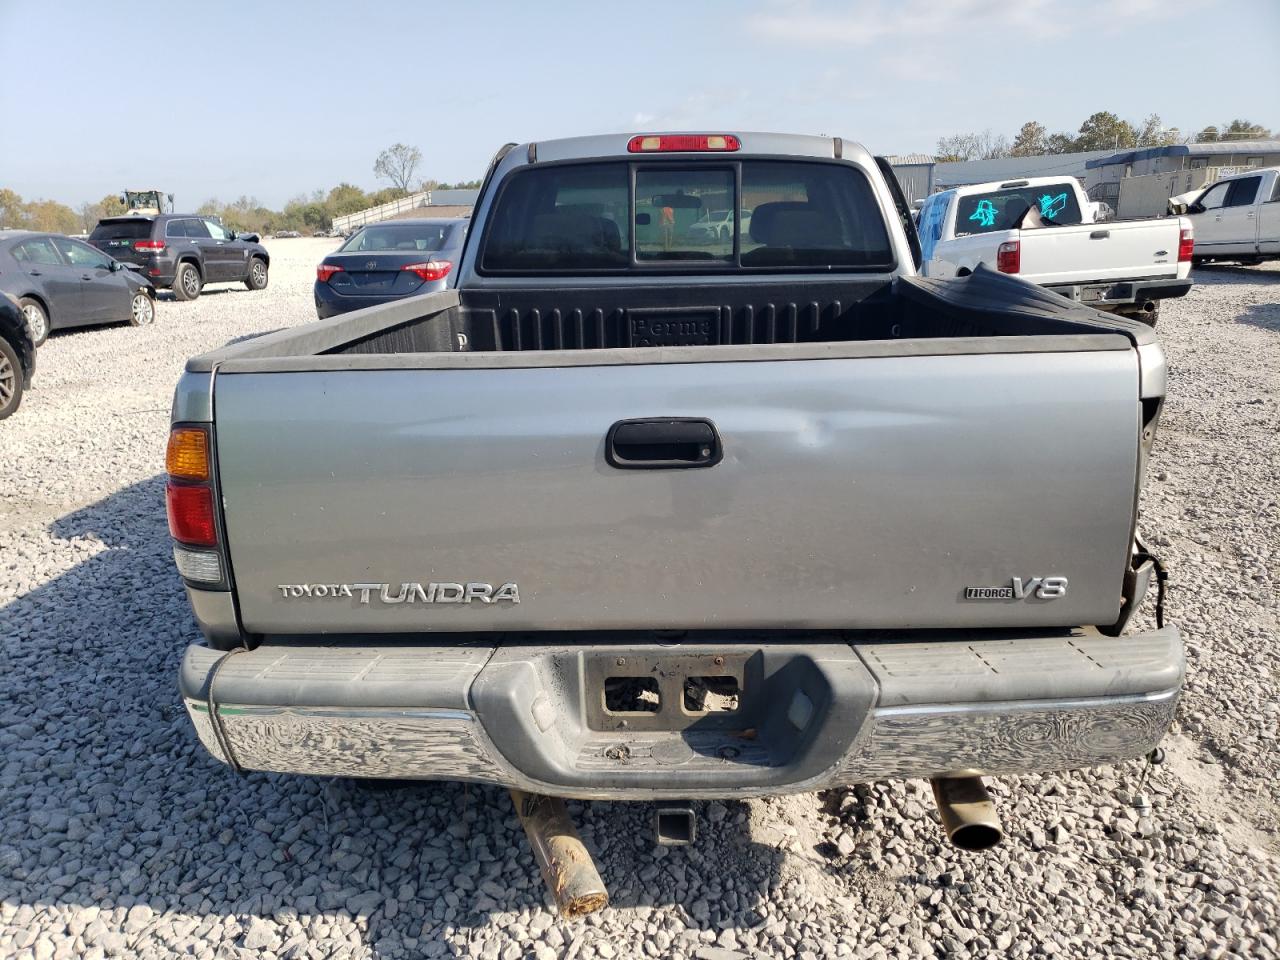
(273, 99)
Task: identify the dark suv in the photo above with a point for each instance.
(183, 251)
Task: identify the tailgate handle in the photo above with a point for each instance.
(1099, 234)
(663, 443)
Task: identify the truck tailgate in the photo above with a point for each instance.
(1119, 250)
(858, 491)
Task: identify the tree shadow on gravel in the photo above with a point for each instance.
(109, 802)
(1264, 315)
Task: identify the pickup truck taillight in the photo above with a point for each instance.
(189, 505)
(431, 270)
(1009, 257)
(1186, 244)
(325, 271)
(148, 246)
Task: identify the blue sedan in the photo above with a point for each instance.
(388, 261)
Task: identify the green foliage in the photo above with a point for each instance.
(1101, 131)
(109, 206)
(1105, 131)
(1031, 141)
(52, 217)
(386, 195)
(45, 215)
(1235, 130)
(1245, 130)
(1060, 143)
(346, 198)
(308, 213)
(243, 215)
(13, 211)
(1153, 133)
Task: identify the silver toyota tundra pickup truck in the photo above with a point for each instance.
(691, 487)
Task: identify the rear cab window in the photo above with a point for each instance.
(673, 216)
(1004, 209)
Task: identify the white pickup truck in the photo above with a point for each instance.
(1044, 230)
(1237, 218)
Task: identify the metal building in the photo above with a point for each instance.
(915, 174)
(1200, 162)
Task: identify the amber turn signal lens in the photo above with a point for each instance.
(188, 454)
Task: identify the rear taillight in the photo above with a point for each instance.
(148, 246)
(1009, 257)
(684, 143)
(190, 511)
(190, 506)
(431, 270)
(325, 271)
(1186, 245)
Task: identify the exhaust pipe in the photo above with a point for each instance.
(968, 815)
(675, 826)
(567, 867)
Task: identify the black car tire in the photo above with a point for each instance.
(142, 310)
(40, 330)
(187, 282)
(11, 379)
(257, 278)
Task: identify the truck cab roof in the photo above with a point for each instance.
(972, 188)
(755, 143)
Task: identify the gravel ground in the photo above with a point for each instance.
(119, 836)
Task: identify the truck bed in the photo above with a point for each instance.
(546, 318)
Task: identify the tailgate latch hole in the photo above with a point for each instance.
(711, 694)
(631, 695)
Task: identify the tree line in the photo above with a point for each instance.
(1101, 131)
(50, 216)
(306, 213)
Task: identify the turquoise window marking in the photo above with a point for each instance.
(1051, 206)
(985, 214)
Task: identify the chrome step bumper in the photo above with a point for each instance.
(827, 713)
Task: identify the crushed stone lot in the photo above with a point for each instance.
(120, 836)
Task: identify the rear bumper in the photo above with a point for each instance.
(1127, 292)
(814, 712)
